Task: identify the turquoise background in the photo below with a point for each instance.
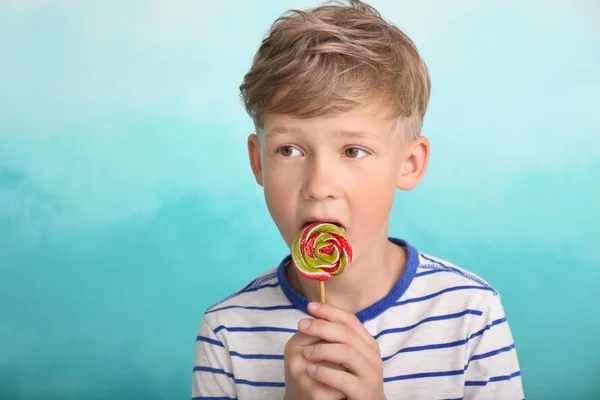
(127, 205)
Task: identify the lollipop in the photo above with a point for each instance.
(320, 251)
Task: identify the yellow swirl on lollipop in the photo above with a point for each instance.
(320, 251)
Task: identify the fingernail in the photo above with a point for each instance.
(307, 351)
(304, 324)
(312, 369)
(314, 306)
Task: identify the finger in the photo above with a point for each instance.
(339, 315)
(302, 339)
(329, 391)
(337, 333)
(310, 385)
(345, 382)
(296, 366)
(342, 354)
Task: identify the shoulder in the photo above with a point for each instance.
(264, 280)
(453, 288)
(267, 279)
(253, 296)
(439, 269)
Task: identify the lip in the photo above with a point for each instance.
(310, 220)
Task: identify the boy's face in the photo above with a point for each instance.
(336, 168)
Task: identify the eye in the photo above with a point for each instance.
(355, 152)
(288, 151)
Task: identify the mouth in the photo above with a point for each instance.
(333, 222)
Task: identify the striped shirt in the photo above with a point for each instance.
(442, 332)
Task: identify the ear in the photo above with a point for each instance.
(414, 163)
(254, 154)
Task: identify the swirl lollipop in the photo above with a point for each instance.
(320, 251)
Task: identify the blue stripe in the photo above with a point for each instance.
(260, 384)
(461, 342)
(270, 308)
(432, 295)
(433, 271)
(213, 370)
(423, 375)
(429, 319)
(427, 347)
(236, 354)
(493, 379)
(489, 354)
(459, 398)
(451, 373)
(209, 340)
(254, 329)
(239, 381)
(488, 327)
(257, 356)
(492, 353)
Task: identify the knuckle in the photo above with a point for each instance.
(295, 366)
(354, 356)
(320, 394)
(289, 345)
(318, 351)
(376, 345)
(312, 391)
(315, 323)
(349, 333)
(292, 344)
(377, 348)
(347, 379)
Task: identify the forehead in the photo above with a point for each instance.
(359, 122)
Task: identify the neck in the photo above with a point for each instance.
(367, 281)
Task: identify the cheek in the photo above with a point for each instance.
(281, 176)
(278, 182)
(375, 197)
(275, 196)
(279, 197)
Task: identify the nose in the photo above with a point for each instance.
(322, 180)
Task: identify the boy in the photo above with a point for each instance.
(338, 98)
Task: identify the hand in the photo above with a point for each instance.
(345, 342)
(298, 385)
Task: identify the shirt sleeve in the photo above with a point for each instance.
(492, 370)
(212, 376)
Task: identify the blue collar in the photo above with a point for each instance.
(301, 302)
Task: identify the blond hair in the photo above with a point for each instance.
(333, 58)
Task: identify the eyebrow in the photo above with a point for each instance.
(357, 134)
(278, 130)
